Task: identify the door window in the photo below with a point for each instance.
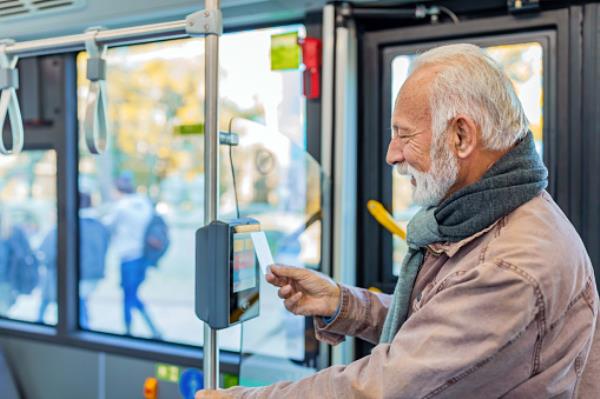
(523, 63)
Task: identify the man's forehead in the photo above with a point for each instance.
(413, 96)
(418, 82)
(410, 104)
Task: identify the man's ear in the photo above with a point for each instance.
(464, 136)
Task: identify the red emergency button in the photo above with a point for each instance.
(151, 388)
(311, 58)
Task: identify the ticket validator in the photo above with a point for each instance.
(227, 273)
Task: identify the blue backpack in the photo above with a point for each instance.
(156, 240)
(22, 263)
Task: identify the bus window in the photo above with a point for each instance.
(279, 185)
(28, 245)
(152, 174)
(522, 62)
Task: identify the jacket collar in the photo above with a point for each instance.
(451, 248)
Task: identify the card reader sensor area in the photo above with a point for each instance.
(227, 273)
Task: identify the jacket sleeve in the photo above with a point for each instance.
(475, 338)
(361, 314)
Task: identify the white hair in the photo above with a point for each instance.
(471, 83)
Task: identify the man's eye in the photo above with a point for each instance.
(401, 135)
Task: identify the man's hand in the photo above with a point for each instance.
(212, 394)
(305, 292)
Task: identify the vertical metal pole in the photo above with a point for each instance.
(344, 169)
(327, 93)
(211, 169)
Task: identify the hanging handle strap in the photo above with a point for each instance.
(95, 124)
(9, 103)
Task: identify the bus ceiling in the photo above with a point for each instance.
(24, 20)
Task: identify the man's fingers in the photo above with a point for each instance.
(276, 281)
(285, 291)
(291, 272)
(210, 394)
(292, 302)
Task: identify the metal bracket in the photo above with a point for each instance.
(230, 139)
(519, 6)
(9, 103)
(9, 78)
(204, 22)
(95, 124)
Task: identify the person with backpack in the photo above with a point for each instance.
(93, 246)
(156, 240)
(18, 265)
(130, 221)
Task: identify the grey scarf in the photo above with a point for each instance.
(513, 180)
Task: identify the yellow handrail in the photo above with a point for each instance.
(384, 218)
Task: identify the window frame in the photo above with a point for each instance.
(545, 38)
(590, 115)
(45, 136)
(63, 137)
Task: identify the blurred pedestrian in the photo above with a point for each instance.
(18, 265)
(128, 221)
(94, 238)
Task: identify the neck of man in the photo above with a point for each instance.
(472, 169)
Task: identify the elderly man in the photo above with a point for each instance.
(496, 296)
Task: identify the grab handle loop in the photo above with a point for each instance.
(95, 123)
(9, 103)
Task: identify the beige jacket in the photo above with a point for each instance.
(509, 312)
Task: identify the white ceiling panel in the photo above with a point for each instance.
(30, 19)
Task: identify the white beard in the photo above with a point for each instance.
(431, 187)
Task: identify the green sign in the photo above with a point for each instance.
(167, 372)
(185, 130)
(285, 51)
(230, 380)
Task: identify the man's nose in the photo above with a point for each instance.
(394, 153)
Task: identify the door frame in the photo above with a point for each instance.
(562, 114)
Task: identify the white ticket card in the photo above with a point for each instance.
(263, 252)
